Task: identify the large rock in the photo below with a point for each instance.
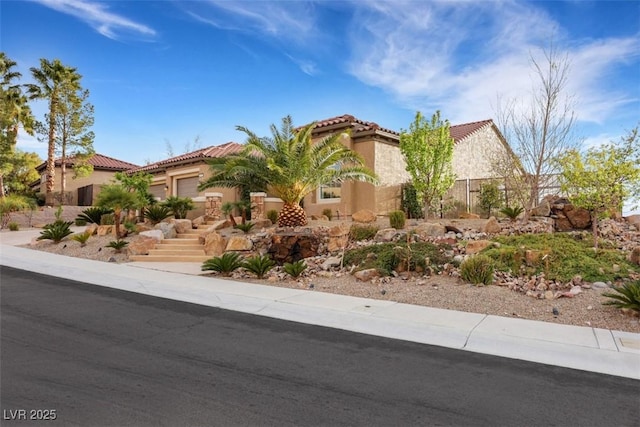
(468, 215)
(385, 235)
(158, 235)
(293, 247)
(196, 222)
(105, 230)
(430, 229)
(141, 245)
(366, 275)
(364, 216)
(219, 224)
(543, 209)
(182, 225)
(338, 237)
(169, 230)
(579, 218)
(214, 244)
(634, 256)
(634, 220)
(475, 246)
(239, 243)
(259, 224)
(562, 223)
(492, 226)
(331, 262)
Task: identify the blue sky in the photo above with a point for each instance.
(173, 71)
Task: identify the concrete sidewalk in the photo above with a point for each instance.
(590, 349)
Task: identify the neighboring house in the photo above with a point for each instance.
(181, 175)
(80, 191)
(475, 145)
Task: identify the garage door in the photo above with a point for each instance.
(157, 191)
(188, 187)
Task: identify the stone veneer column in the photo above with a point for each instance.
(257, 205)
(213, 205)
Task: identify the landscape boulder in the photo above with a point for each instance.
(214, 244)
(430, 229)
(364, 216)
(366, 275)
(239, 243)
(634, 256)
(158, 235)
(182, 225)
(338, 237)
(169, 230)
(141, 245)
(475, 246)
(492, 226)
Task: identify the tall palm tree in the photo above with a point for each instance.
(291, 166)
(15, 112)
(50, 78)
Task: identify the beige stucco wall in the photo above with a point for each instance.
(472, 156)
(97, 178)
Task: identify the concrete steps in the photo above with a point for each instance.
(170, 258)
(185, 247)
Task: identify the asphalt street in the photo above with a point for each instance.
(98, 356)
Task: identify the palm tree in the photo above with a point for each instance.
(50, 78)
(118, 198)
(291, 165)
(15, 113)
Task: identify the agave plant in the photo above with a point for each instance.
(294, 269)
(56, 231)
(117, 245)
(157, 213)
(81, 238)
(225, 264)
(626, 296)
(512, 212)
(259, 265)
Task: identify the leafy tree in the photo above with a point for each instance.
(601, 179)
(139, 183)
(490, 197)
(52, 79)
(118, 198)
(539, 131)
(23, 172)
(14, 113)
(290, 165)
(428, 151)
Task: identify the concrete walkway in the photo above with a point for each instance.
(590, 349)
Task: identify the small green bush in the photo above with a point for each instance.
(117, 245)
(626, 296)
(512, 212)
(328, 213)
(294, 269)
(477, 269)
(93, 215)
(130, 226)
(157, 213)
(107, 219)
(14, 226)
(363, 232)
(246, 227)
(179, 206)
(397, 219)
(80, 222)
(272, 215)
(81, 238)
(225, 264)
(56, 231)
(259, 265)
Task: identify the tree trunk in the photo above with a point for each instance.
(594, 226)
(2, 193)
(63, 171)
(116, 220)
(292, 215)
(51, 151)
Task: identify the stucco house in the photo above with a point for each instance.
(81, 191)
(475, 145)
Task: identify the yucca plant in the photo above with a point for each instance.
(225, 264)
(157, 213)
(512, 212)
(294, 269)
(626, 296)
(246, 227)
(117, 245)
(478, 270)
(259, 265)
(93, 214)
(81, 238)
(56, 231)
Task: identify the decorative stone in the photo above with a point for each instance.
(364, 216)
(292, 247)
(158, 235)
(141, 245)
(385, 235)
(182, 225)
(633, 220)
(239, 243)
(169, 230)
(543, 209)
(196, 222)
(475, 246)
(492, 226)
(91, 229)
(366, 275)
(105, 230)
(214, 244)
(469, 215)
(430, 229)
(579, 218)
(599, 285)
(331, 262)
(634, 256)
(261, 223)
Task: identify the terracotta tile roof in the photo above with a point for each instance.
(98, 161)
(460, 132)
(203, 153)
(357, 125)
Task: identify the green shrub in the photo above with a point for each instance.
(81, 238)
(294, 269)
(259, 265)
(130, 226)
(56, 231)
(225, 264)
(328, 213)
(179, 206)
(93, 215)
(107, 219)
(397, 219)
(246, 227)
(117, 245)
(272, 215)
(157, 213)
(626, 296)
(80, 222)
(512, 212)
(363, 232)
(13, 203)
(477, 269)
(409, 202)
(14, 226)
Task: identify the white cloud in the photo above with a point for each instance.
(99, 18)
